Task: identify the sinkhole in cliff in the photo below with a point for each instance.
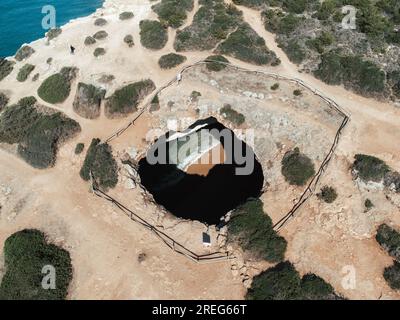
(202, 172)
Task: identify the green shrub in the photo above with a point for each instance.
(173, 11)
(38, 135)
(53, 33)
(35, 77)
(368, 204)
(252, 229)
(246, 45)
(99, 52)
(126, 15)
(55, 89)
(389, 239)
(89, 41)
(15, 122)
(171, 60)
(100, 35)
(194, 96)
(392, 275)
(297, 168)
(155, 104)
(40, 145)
(369, 168)
(27, 101)
(79, 148)
(294, 51)
(128, 39)
(272, 19)
(321, 42)
(100, 22)
(255, 4)
(3, 100)
(288, 24)
(283, 282)
(6, 67)
(232, 115)
(126, 99)
(100, 162)
(275, 86)
(297, 92)
(212, 23)
(24, 72)
(328, 194)
(25, 254)
(214, 63)
(152, 34)
(24, 53)
(360, 75)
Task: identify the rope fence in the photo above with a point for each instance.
(309, 191)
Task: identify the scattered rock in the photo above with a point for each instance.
(53, 33)
(100, 35)
(100, 22)
(89, 41)
(24, 53)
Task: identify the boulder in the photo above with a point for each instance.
(87, 101)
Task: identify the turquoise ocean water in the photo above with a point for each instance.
(21, 20)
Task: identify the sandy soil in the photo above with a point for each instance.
(105, 245)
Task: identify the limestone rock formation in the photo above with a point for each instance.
(87, 101)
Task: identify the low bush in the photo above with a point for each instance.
(283, 282)
(100, 35)
(297, 168)
(275, 86)
(328, 194)
(24, 53)
(232, 115)
(40, 145)
(213, 22)
(53, 33)
(126, 15)
(369, 168)
(100, 22)
(171, 60)
(155, 104)
(353, 72)
(27, 101)
(368, 204)
(173, 11)
(252, 229)
(37, 135)
(126, 99)
(128, 39)
(24, 72)
(35, 77)
(246, 45)
(55, 89)
(89, 41)
(6, 67)
(297, 93)
(3, 100)
(100, 162)
(392, 275)
(79, 148)
(26, 253)
(294, 51)
(98, 52)
(214, 63)
(153, 34)
(194, 96)
(389, 240)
